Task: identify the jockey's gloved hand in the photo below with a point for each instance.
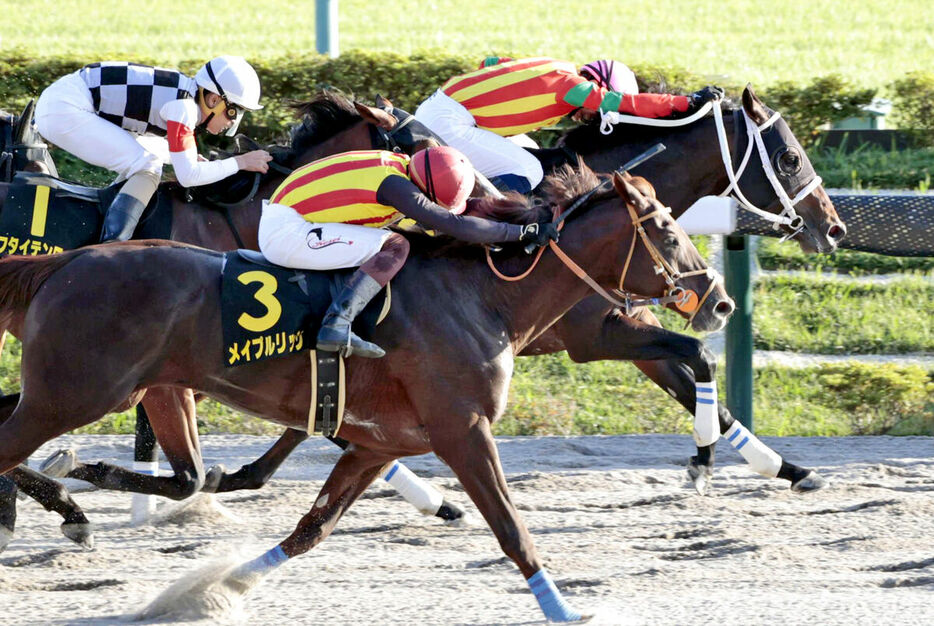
(539, 234)
(705, 95)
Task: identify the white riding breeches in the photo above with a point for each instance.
(286, 238)
(491, 154)
(65, 117)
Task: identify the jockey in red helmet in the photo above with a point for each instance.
(477, 112)
(332, 214)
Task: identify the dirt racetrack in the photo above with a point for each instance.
(612, 517)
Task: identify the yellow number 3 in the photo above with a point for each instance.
(266, 296)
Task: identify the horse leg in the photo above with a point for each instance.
(680, 377)
(470, 451)
(352, 474)
(256, 474)
(592, 331)
(7, 511)
(171, 412)
(416, 491)
(54, 497)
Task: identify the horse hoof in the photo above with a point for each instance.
(60, 464)
(449, 512)
(6, 536)
(81, 533)
(812, 482)
(213, 479)
(701, 477)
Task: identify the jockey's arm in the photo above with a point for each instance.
(592, 97)
(401, 193)
(181, 118)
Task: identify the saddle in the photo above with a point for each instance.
(270, 311)
(43, 214)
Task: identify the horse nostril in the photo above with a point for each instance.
(836, 232)
(724, 308)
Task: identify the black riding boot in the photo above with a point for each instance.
(335, 331)
(121, 218)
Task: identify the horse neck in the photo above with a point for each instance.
(690, 167)
(530, 306)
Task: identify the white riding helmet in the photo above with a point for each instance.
(234, 80)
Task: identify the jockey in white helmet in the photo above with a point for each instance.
(100, 113)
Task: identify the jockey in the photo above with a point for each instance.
(332, 214)
(478, 111)
(95, 113)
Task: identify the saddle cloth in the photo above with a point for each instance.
(269, 311)
(45, 215)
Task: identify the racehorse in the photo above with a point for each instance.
(592, 330)
(451, 335)
(329, 124)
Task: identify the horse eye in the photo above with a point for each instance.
(788, 162)
(671, 241)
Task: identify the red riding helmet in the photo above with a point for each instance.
(445, 175)
(612, 75)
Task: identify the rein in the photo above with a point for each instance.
(788, 217)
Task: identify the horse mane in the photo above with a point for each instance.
(587, 138)
(326, 114)
(560, 189)
(22, 276)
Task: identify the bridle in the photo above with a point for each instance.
(674, 294)
(388, 137)
(788, 216)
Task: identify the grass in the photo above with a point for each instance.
(871, 167)
(552, 395)
(742, 40)
(826, 316)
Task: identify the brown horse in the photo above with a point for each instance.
(592, 330)
(330, 124)
(451, 336)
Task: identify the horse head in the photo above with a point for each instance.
(629, 242)
(661, 258)
(786, 183)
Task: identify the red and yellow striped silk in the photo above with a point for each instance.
(517, 96)
(342, 188)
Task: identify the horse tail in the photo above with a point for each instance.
(22, 276)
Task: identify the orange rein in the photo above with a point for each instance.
(661, 267)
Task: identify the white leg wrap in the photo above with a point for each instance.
(416, 491)
(706, 423)
(762, 459)
(144, 505)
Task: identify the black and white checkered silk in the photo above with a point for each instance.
(131, 95)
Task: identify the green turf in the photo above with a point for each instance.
(762, 42)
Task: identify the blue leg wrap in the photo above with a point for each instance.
(265, 562)
(549, 598)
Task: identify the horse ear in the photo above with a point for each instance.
(644, 186)
(626, 190)
(384, 103)
(376, 116)
(754, 106)
(24, 123)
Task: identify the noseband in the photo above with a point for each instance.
(788, 217)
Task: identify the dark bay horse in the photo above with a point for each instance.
(451, 336)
